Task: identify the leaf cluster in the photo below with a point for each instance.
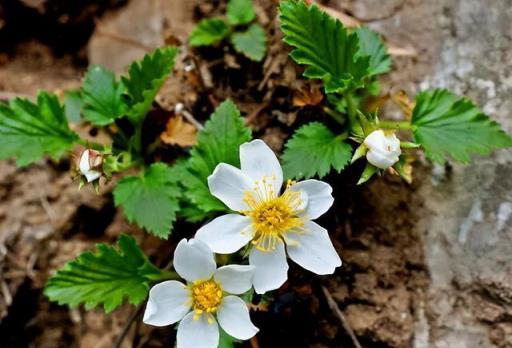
(246, 38)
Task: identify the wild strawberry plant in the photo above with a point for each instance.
(257, 215)
(348, 63)
(247, 38)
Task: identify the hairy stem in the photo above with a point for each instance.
(334, 115)
(395, 124)
(351, 109)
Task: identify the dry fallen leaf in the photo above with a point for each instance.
(179, 132)
(307, 95)
(404, 102)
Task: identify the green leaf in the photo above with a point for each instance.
(151, 199)
(101, 95)
(73, 105)
(251, 43)
(218, 142)
(371, 45)
(145, 79)
(225, 340)
(449, 126)
(314, 150)
(323, 44)
(240, 12)
(368, 172)
(29, 131)
(105, 277)
(208, 32)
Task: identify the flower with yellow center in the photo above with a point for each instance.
(205, 302)
(271, 222)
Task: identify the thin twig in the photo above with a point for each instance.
(136, 312)
(334, 307)
(190, 118)
(254, 342)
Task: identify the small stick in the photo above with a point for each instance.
(190, 118)
(136, 312)
(334, 307)
(254, 342)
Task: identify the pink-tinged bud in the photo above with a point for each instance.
(90, 165)
(383, 149)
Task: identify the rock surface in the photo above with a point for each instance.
(468, 210)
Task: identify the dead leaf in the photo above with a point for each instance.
(178, 132)
(307, 95)
(404, 102)
(260, 307)
(376, 103)
(398, 51)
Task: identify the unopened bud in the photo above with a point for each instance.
(90, 165)
(383, 149)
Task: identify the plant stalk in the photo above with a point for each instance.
(395, 124)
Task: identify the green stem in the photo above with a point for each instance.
(395, 124)
(351, 110)
(335, 116)
(90, 145)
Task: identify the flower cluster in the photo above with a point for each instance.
(270, 223)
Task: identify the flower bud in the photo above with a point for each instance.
(90, 165)
(383, 149)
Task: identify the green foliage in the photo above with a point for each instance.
(324, 45)
(226, 341)
(105, 277)
(151, 199)
(101, 96)
(73, 105)
(251, 43)
(145, 79)
(240, 12)
(315, 150)
(371, 45)
(218, 142)
(449, 126)
(209, 32)
(29, 131)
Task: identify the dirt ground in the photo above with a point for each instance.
(384, 282)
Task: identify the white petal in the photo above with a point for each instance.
(380, 159)
(257, 161)
(193, 260)
(233, 316)
(234, 279)
(227, 233)
(197, 333)
(167, 303)
(229, 184)
(319, 196)
(270, 268)
(91, 175)
(314, 250)
(84, 165)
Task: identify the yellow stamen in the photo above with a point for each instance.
(273, 216)
(206, 296)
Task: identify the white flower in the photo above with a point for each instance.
(90, 161)
(269, 221)
(204, 301)
(383, 149)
